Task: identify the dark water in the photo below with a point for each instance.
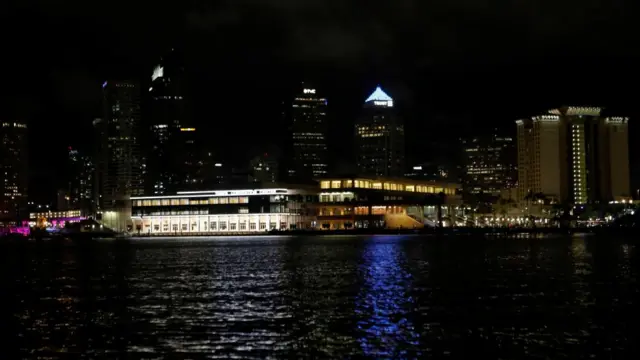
(323, 297)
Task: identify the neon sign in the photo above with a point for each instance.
(309, 91)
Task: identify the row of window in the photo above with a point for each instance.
(216, 226)
(368, 184)
(209, 201)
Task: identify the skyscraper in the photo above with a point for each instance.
(14, 171)
(172, 149)
(80, 170)
(308, 142)
(118, 161)
(379, 137)
(575, 155)
(489, 164)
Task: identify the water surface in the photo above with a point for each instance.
(323, 297)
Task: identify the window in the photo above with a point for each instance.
(233, 200)
(184, 227)
(325, 184)
(347, 183)
(283, 225)
(155, 202)
(165, 202)
(252, 226)
(335, 184)
(175, 202)
(243, 210)
(184, 201)
(213, 226)
(243, 226)
(377, 186)
(263, 226)
(272, 225)
(243, 199)
(213, 201)
(223, 225)
(232, 226)
(410, 188)
(224, 200)
(175, 227)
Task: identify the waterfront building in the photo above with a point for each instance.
(225, 211)
(379, 137)
(489, 165)
(307, 118)
(574, 155)
(14, 171)
(118, 160)
(367, 202)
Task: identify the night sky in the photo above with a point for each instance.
(452, 66)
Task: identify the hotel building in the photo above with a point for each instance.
(574, 155)
(224, 211)
(366, 202)
(379, 137)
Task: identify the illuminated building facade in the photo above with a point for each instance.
(81, 172)
(366, 202)
(14, 171)
(379, 137)
(575, 155)
(489, 165)
(224, 211)
(308, 128)
(172, 154)
(118, 160)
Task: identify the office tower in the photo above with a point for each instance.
(80, 170)
(14, 171)
(172, 150)
(575, 155)
(118, 161)
(307, 155)
(264, 169)
(489, 165)
(379, 137)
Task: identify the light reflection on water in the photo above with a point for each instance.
(323, 297)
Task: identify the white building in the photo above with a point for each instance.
(224, 211)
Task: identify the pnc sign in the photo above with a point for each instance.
(309, 91)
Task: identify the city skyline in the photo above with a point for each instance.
(445, 77)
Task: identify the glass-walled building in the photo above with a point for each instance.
(224, 211)
(357, 202)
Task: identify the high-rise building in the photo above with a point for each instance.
(80, 171)
(172, 151)
(308, 142)
(575, 155)
(489, 164)
(14, 171)
(118, 160)
(264, 169)
(379, 137)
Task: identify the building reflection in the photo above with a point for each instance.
(384, 304)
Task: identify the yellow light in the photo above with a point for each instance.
(187, 129)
